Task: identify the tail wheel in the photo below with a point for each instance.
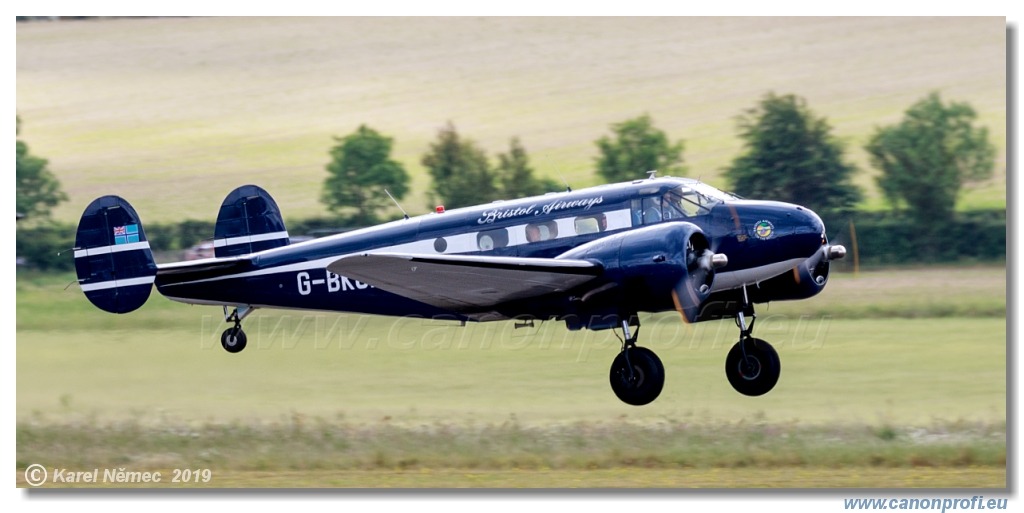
(637, 376)
(752, 367)
(233, 339)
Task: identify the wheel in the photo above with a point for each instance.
(233, 339)
(643, 383)
(758, 372)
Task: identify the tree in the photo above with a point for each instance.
(790, 155)
(37, 188)
(516, 175)
(460, 171)
(360, 170)
(638, 147)
(929, 156)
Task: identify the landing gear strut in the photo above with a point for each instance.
(233, 339)
(752, 365)
(637, 375)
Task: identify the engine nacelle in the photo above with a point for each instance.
(656, 268)
(805, 280)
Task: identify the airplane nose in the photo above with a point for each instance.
(808, 230)
(812, 222)
(816, 225)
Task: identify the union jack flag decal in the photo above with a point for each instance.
(126, 234)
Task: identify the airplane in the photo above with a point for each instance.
(592, 258)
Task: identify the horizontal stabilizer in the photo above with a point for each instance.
(465, 284)
(113, 261)
(249, 221)
(177, 273)
(208, 265)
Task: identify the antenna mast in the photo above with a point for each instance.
(568, 188)
(404, 213)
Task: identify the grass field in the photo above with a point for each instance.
(631, 478)
(174, 113)
(331, 400)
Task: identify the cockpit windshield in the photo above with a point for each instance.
(692, 200)
(713, 192)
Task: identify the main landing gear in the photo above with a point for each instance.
(637, 375)
(233, 339)
(752, 365)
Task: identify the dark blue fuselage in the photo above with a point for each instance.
(763, 240)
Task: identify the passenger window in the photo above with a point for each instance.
(591, 224)
(586, 225)
(537, 232)
(492, 239)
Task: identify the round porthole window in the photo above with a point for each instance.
(440, 244)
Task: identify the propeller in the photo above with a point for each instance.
(695, 286)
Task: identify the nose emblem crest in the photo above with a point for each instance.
(764, 229)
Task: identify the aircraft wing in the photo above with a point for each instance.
(465, 284)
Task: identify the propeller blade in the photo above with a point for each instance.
(690, 292)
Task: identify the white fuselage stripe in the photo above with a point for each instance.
(144, 280)
(116, 248)
(247, 239)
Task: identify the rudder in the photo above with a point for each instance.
(249, 221)
(113, 261)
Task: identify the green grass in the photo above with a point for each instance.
(174, 113)
(307, 445)
(909, 293)
(74, 362)
(865, 371)
(632, 478)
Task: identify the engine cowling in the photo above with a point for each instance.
(803, 281)
(653, 269)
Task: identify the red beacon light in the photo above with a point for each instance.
(439, 209)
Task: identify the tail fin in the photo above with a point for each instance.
(112, 257)
(249, 221)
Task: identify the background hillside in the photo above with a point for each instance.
(174, 113)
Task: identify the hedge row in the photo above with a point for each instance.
(882, 240)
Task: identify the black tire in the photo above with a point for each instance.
(233, 340)
(758, 373)
(644, 383)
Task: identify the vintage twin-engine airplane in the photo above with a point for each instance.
(592, 258)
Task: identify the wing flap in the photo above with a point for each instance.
(465, 284)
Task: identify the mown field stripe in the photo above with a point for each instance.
(979, 477)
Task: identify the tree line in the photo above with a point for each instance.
(788, 153)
